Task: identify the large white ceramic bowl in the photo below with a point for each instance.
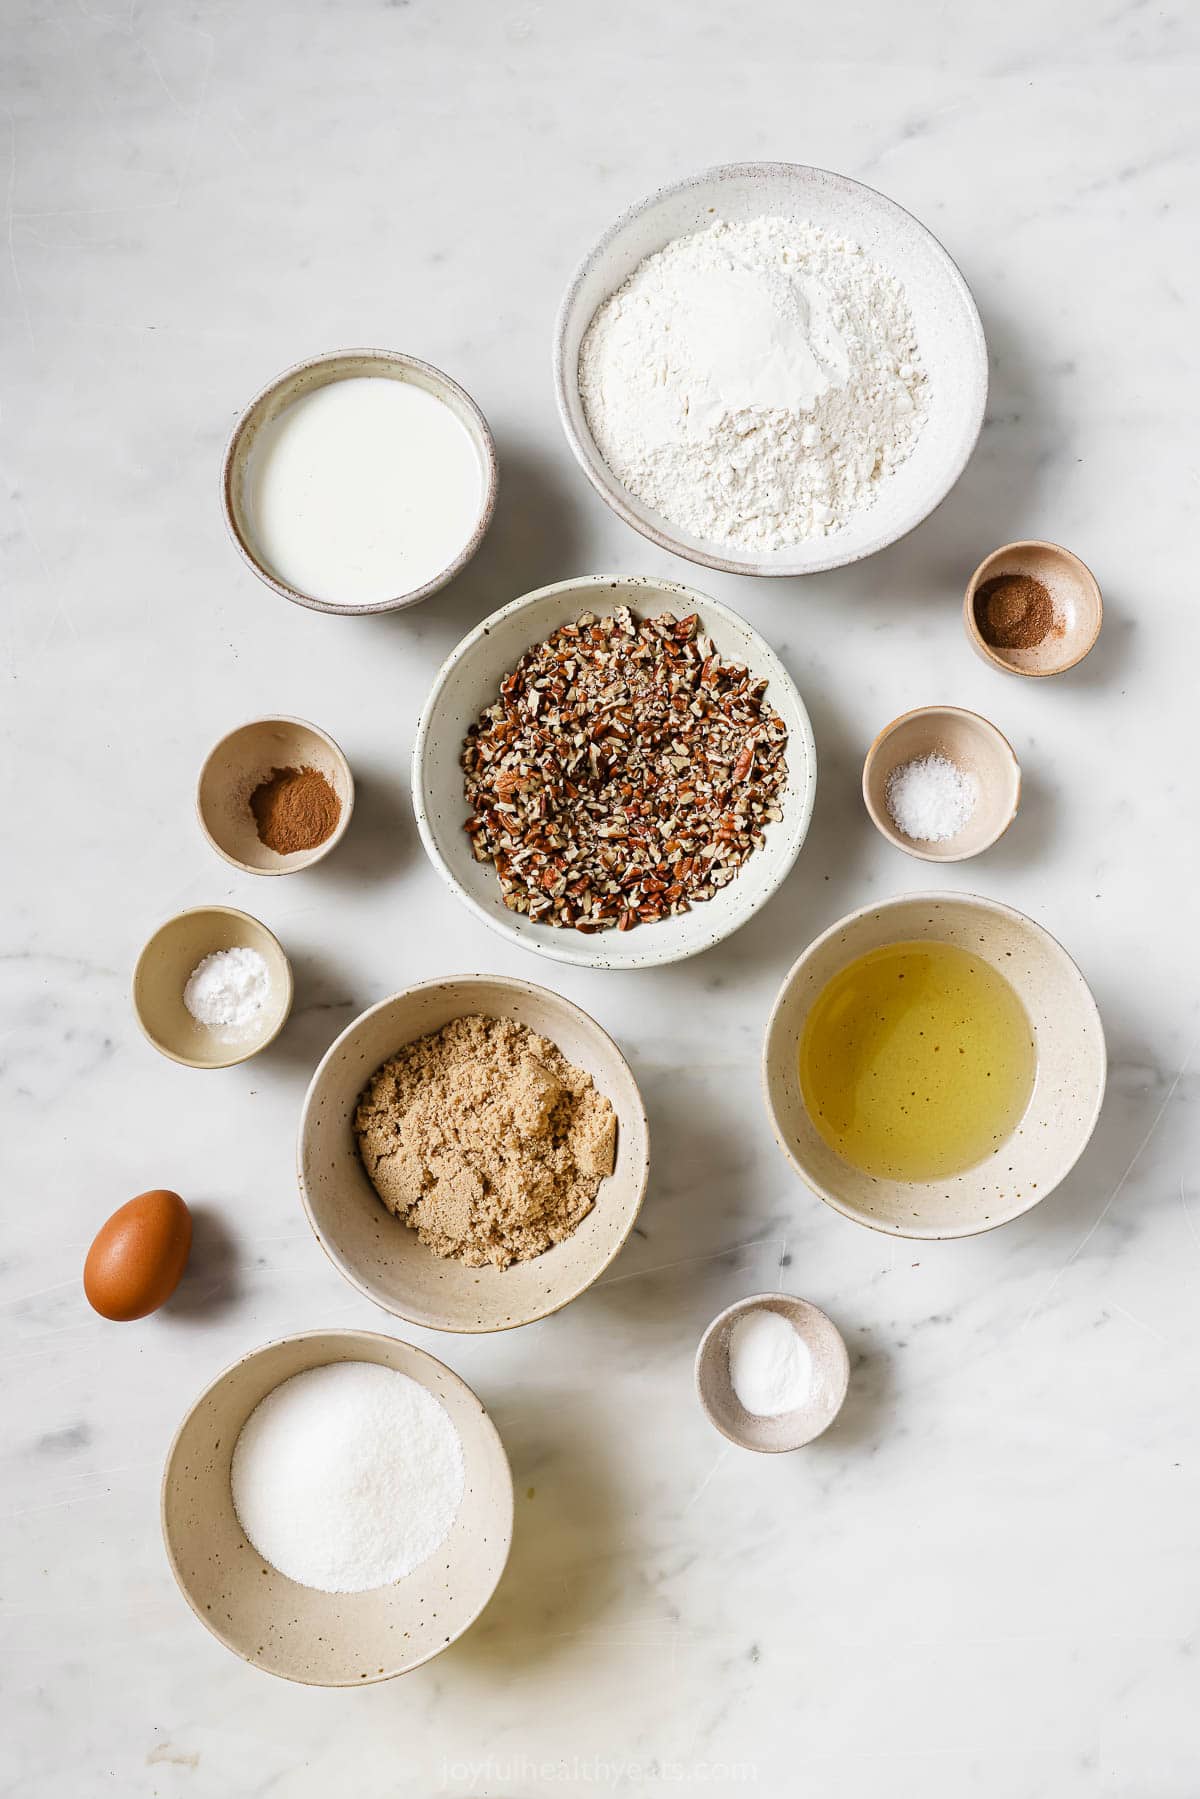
(469, 680)
(948, 331)
(1068, 1089)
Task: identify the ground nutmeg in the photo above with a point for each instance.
(1015, 612)
(294, 809)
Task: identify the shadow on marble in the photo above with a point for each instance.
(211, 1283)
(564, 1571)
(323, 1006)
(993, 501)
(382, 837)
(868, 1415)
(1030, 837)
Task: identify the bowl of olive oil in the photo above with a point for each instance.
(934, 1065)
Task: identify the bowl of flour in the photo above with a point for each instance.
(770, 369)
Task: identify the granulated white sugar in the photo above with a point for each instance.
(347, 1477)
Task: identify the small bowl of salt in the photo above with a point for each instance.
(772, 1372)
(941, 783)
(212, 987)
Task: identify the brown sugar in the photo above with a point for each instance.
(485, 1140)
(294, 809)
(1015, 612)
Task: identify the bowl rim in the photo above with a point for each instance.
(975, 636)
(884, 825)
(577, 954)
(521, 985)
(246, 1053)
(396, 603)
(251, 1355)
(750, 1302)
(321, 849)
(614, 493)
(936, 898)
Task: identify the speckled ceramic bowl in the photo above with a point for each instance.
(469, 680)
(236, 766)
(319, 371)
(162, 973)
(975, 747)
(947, 324)
(329, 1639)
(1062, 1110)
(387, 1261)
(787, 1430)
(1075, 595)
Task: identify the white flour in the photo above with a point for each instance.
(755, 382)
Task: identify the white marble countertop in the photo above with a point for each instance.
(983, 1582)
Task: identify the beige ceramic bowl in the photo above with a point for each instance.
(1078, 607)
(341, 365)
(1067, 1094)
(162, 973)
(329, 1639)
(790, 1430)
(382, 1257)
(974, 746)
(240, 763)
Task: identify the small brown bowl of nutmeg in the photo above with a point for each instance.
(275, 796)
(1032, 608)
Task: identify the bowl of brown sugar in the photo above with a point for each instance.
(275, 796)
(1032, 608)
(473, 1153)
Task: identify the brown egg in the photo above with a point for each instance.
(137, 1258)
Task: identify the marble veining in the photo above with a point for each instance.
(981, 1583)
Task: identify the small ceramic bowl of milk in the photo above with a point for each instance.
(361, 481)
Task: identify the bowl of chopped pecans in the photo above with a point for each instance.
(615, 771)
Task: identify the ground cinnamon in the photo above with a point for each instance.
(1014, 612)
(295, 809)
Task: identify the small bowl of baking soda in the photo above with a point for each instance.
(772, 1372)
(941, 783)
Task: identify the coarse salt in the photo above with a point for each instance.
(347, 1477)
(931, 799)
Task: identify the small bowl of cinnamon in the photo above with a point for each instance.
(274, 796)
(1032, 609)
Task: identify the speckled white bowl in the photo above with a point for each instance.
(469, 680)
(329, 1639)
(1067, 1094)
(948, 331)
(787, 1430)
(383, 1258)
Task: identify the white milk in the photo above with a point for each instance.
(362, 490)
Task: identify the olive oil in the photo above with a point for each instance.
(917, 1061)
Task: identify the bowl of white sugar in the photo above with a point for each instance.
(359, 481)
(337, 1507)
(770, 369)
